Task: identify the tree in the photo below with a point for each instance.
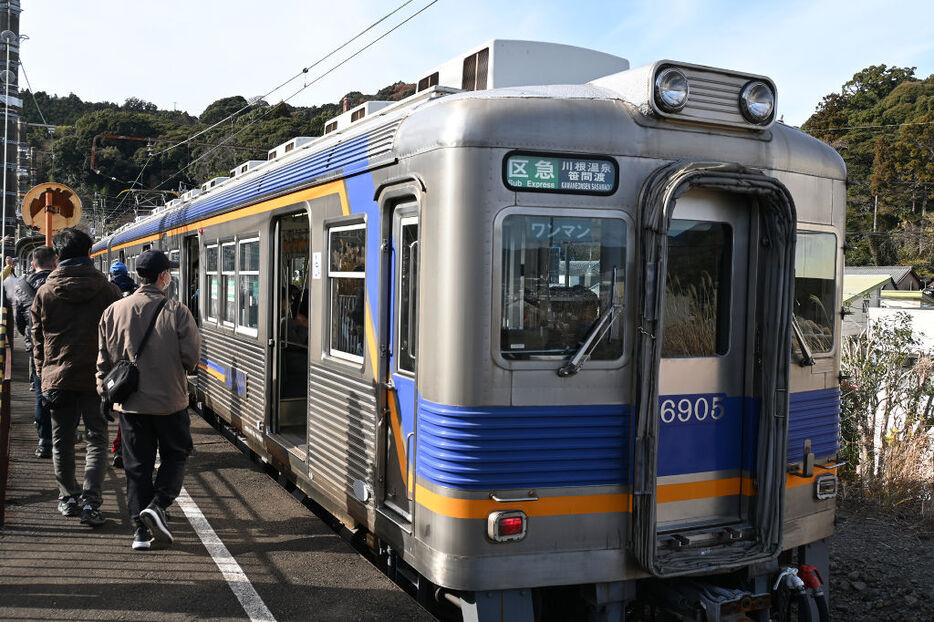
(887, 417)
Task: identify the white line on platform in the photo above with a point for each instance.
(252, 604)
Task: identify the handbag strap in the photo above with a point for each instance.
(152, 323)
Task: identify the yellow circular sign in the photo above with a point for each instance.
(64, 205)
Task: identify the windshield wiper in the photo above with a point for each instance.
(807, 358)
(594, 336)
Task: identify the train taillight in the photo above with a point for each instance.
(825, 486)
(507, 525)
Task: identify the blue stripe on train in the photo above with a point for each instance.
(814, 415)
(486, 448)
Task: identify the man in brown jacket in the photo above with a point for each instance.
(156, 415)
(65, 314)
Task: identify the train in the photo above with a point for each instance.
(557, 337)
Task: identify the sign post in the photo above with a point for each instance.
(50, 208)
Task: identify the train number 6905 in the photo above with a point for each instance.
(699, 408)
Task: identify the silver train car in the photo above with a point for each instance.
(549, 326)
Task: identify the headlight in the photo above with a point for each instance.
(671, 90)
(757, 102)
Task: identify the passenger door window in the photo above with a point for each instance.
(697, 290)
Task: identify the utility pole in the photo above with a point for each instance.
(875, 212)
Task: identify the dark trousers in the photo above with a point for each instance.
(142, 435)
(42, 415)
(69, 408)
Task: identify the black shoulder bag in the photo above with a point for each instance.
(122, 380)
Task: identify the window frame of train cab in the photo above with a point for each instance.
(330, 229)
(804, 230)
(245, 329)
(208, 274)
(625, 275)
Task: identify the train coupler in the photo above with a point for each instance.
(694, 600)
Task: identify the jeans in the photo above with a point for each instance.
(69, 409)
(142, 435)
(42, 415)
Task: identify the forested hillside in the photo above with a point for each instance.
(882, 123)
(145, 159)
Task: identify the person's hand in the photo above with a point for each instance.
(107, 410)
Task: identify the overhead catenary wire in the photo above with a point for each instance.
(31, 93)
(847, 128)
(286, 99)
(301, 73)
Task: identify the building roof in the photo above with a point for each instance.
(917, 294)
(896, 272)
(858, 285)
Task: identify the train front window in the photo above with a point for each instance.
(347, 279)
(557, 281)
(697, 289)
(815, 270)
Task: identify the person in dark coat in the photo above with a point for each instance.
(43, 262)
(120, 278)
(65, 315)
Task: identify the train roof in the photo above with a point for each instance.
(375, 133)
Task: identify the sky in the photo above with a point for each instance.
(185, 54)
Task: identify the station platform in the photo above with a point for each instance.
(245, 549)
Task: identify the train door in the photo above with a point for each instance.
(401, 397)
(191, 291)
(290, 349)
(703, 368)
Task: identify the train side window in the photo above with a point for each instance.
(248, 280)
(557, 281)
(228, 283)
(347, 286)
(815, 293)
(697, 289)
(408, 292)
(173, 284)
(213, 284)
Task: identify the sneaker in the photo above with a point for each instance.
(69, 507)
(43, 452)
(118, 461)
(142, 539)
(92, 517)
(154, 518)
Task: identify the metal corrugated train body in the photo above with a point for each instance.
(426, 436)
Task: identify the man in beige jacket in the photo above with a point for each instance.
(156, 415)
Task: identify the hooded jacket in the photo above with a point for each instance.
(124, 282)
(22, 302)
(65, 315)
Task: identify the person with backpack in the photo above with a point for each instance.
(43, 262)
(65, 315)
(120, 278)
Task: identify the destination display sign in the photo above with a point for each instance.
(538, 172)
